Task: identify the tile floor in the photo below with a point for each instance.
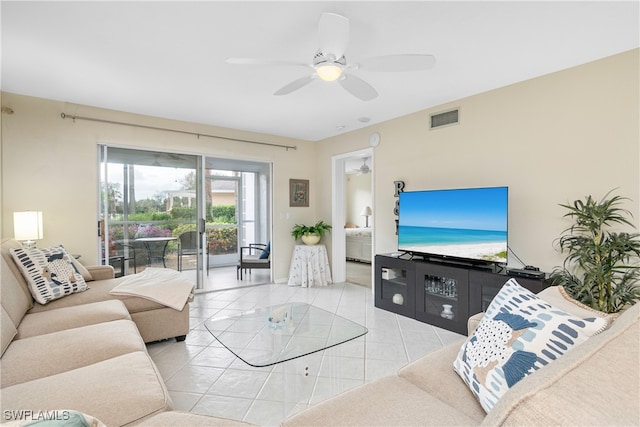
(204, 377)
(223, 278)
(359, 273)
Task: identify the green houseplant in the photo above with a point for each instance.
(602, 267)
(310, 234)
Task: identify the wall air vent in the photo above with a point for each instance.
(445, 118)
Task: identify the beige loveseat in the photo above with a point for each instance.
(595, 384)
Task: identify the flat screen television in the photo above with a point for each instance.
(461, 224)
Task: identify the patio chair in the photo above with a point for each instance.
(126, 252)
(256, 255)
(188, 245)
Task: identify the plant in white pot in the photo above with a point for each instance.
(602, 268)
(310, 234)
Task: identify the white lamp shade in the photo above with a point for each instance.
(27, 225)
(366, 211)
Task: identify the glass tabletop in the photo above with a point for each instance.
(278, 333)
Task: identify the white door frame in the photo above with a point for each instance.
(338, 194)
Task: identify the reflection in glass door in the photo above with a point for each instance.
(149, 210)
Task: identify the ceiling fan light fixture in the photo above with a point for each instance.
(329, 72)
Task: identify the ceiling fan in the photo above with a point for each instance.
(330, 64)
(364, 169)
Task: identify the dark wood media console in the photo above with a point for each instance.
(437, 293)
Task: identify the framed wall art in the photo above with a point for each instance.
(299, 192)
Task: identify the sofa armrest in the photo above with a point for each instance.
(101, 272)
(473, 322)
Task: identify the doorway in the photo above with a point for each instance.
(238, 203)
(353, 208)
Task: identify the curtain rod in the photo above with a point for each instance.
(197, 134)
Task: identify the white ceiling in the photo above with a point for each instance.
(167, 59)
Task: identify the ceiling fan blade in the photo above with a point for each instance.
(259, 61)
(295, 85)
(333, 34)
(358, 88)
(408, 62)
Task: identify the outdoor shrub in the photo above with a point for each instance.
(184, 212)
(225, 214)
(222, 240)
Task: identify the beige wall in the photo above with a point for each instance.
(50, 164)
(223, 199)
(553, 139)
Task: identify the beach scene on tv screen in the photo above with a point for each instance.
(465, 223)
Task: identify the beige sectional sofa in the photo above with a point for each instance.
(88, 357)
(84, 352)
(597, 383)
(154, 321)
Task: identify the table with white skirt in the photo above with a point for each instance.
(309, 266)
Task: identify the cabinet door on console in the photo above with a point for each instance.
(395, 285)
(442, 296)
(485, 285)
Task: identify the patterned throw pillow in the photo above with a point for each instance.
(519, 334)
(50, 272)
(56, 418)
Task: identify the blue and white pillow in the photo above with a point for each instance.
(50, 272)
(266, 251)
(519, 334)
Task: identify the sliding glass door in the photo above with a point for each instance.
(180, 211)
(238, 208)
(150, 210)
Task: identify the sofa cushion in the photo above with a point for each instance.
(101, 272)
(15, 299)
(558, 297)
(595, 384)
(520, 333)
(118, 391)
(50, 272)
(7, 245)
(388, 401)
(433, 370)
(44, 355)
(7, 330)
(86, 275)
(162, 323)
(99, 291)
(187, 419)
(63, 318)
(154, 321)
(473, 322)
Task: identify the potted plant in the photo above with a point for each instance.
(310, 234)
(602, 266)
